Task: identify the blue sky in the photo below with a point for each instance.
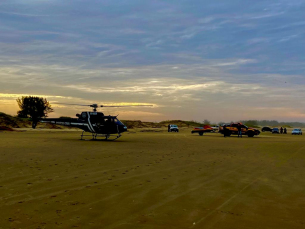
(216, 60)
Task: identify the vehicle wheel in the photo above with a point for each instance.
(250, 135)
(200, 133)
(177, 130)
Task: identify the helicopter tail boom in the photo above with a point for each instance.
(61, 121)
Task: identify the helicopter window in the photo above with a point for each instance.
(108, 120)
(118, 122)
(84, 115)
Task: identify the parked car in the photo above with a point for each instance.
(275, 130)
(296, 131)
(215, 128)
(173, 128)
(266, 128)
(202, 130)
(232, 128)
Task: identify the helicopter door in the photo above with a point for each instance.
(110, 125)
(99, 124)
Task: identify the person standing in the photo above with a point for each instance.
(168, 128)
(285, 130)
(224, 130)
(281, 130)
(239, 130)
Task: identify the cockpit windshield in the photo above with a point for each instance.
(102, 120)
(118, 121)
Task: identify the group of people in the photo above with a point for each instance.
(283, 130)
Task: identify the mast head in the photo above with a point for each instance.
(94, 106)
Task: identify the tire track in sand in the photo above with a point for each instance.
(63, 181)
(224, 203)
(221, 175)
(82, 185)
(275, 165)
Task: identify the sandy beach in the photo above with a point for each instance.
(51, 179)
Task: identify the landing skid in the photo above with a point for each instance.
(103, 137)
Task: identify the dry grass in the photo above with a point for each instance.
(151, 180)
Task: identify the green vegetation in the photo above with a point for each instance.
(13, 122)
(251, 123)
(33, 107)
(272, 123)
(206, 122)
(7, 122)
(139, 124)
(64, 117)
(287, 126)
(181, 123)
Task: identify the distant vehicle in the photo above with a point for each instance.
(202, 130)
(173, 128)
(275, 130)
(215, 128)
(266, 128)
(296, 132)
(232, 129)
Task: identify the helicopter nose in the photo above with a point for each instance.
(122, 128)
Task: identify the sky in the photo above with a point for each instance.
(192, 60)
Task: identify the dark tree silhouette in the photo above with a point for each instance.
(34, 108)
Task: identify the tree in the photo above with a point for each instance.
(221, 123)
(33, 107)
(206, 122)
(250, 123)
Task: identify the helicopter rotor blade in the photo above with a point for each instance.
(73, 104)
(129, 106)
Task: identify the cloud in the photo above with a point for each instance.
(258, 40)
(174, 55)
(268, 15)
(237, 62)
(289, 38)
(26, 15)
(206, 20)
(152, 83)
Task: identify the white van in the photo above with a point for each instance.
(173, 128)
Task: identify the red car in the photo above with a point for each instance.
(202, 130)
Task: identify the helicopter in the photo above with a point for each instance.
(99, 125)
